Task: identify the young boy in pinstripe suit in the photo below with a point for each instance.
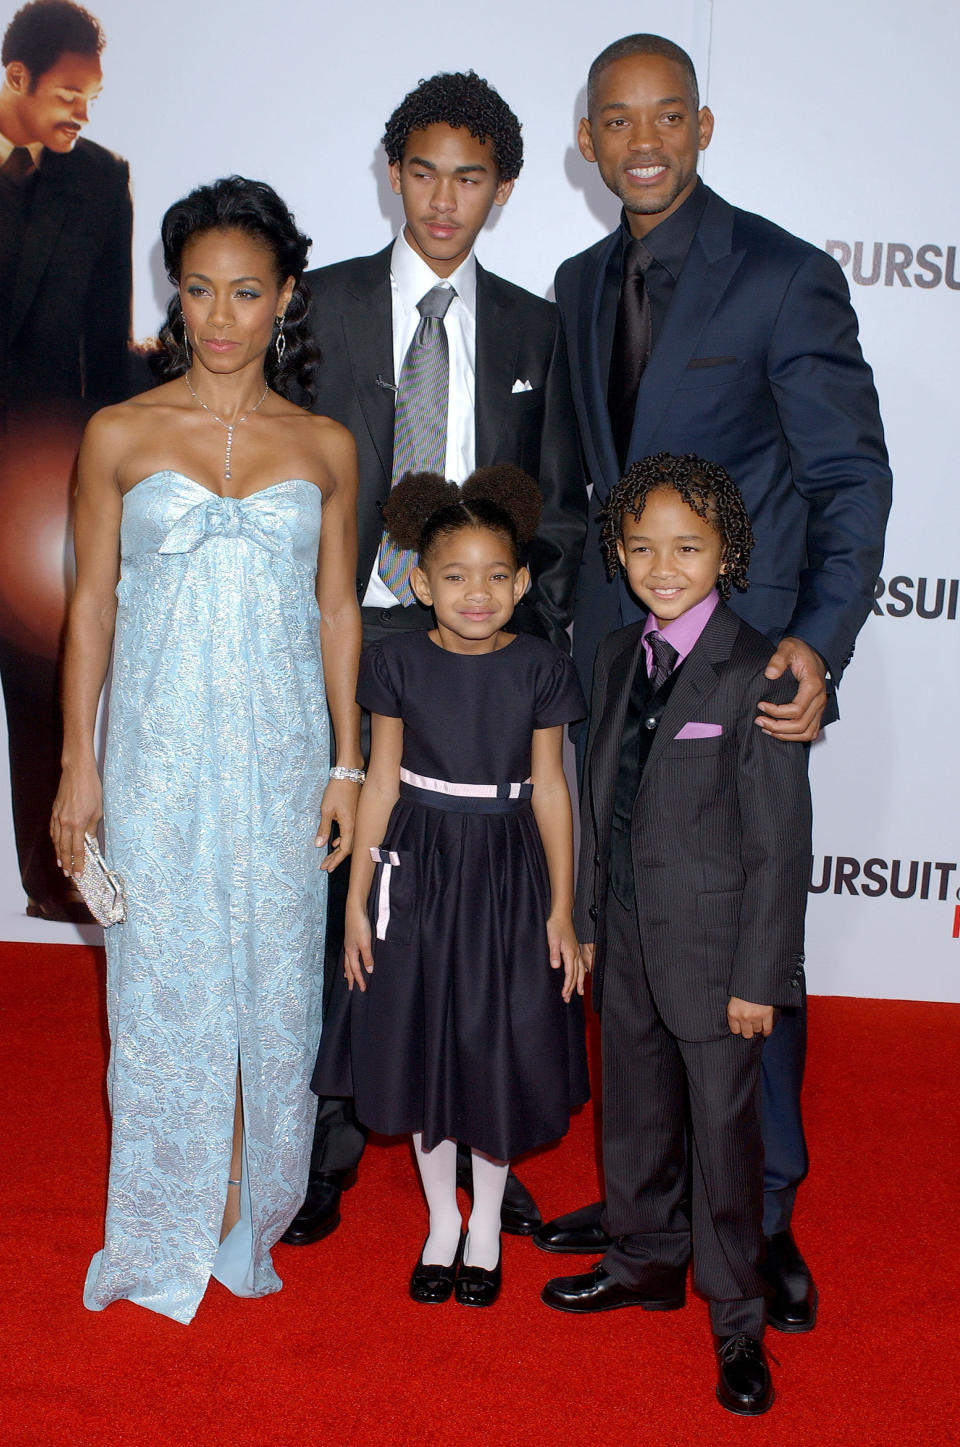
(695, 854)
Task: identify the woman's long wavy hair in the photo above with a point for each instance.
(236, 204)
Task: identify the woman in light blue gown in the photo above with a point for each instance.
(233, 622)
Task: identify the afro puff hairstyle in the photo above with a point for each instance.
(423, 507)
(705, 488)
(462, 100)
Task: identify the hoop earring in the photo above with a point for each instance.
(281, 341)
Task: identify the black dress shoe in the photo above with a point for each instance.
(597, 1290)
(744, 1384)
(793, 1305)
(518, 1212)
(431, 1284)
(320, 1213)
(476, 1286)
(577, 1233)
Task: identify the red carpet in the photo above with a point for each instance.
(341, 1355)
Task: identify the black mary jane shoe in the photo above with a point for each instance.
(432, 1284)
(476, 1286)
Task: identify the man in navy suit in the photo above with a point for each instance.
(739, 344)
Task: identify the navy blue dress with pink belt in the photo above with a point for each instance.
(462, 1031)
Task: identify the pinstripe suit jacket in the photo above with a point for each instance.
(720, 833)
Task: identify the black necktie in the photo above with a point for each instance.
(664, 660)
(18, 166)
(631, 344)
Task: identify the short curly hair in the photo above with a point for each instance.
(705, 487)
(462, 100)
(423, 507)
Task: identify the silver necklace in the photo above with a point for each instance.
(229, 427)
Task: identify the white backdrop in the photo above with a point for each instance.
(831, 121)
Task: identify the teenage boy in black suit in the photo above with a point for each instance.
(454, 150)
(694, 860)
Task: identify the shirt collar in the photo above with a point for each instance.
(671, 239)
(682, 633)
(413, 278)
(7, 148)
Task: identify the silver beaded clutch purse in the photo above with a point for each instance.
(101, 888)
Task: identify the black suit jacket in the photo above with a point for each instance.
(757, 367)
(67, 310)
(720, 833)
(517, 338)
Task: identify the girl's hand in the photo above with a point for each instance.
(77, 810)
(586, 957)
(565, 952)
(357, 947)
(339, 807)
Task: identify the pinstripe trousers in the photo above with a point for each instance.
(682, 1152)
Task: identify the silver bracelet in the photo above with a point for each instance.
(340, 771)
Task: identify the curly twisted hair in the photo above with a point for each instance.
(424, 507)
(236, 204)
(458, 99)
(705, 487)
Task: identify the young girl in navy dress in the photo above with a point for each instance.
(460, 1018)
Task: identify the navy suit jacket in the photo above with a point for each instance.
(757, 367)
(517, 339)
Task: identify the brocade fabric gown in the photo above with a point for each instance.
(217, 758)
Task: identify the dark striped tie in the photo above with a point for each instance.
(420, 417)
(664, 660)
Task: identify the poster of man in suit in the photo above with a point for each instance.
(65, 297)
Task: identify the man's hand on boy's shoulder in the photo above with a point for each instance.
(748, 1020)
(798, 721)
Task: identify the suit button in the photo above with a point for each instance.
(384, 615)
(596, 861)
(592, 911)
(650, 723)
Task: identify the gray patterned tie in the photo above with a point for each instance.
(664, 660)
(420, 417)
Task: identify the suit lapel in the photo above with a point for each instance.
(605, 759)
(497, 345)
(698, 678)
(49, 212)
(367, 322)
(707, 272)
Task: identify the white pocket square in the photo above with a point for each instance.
(519, 386)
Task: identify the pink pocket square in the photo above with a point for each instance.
(699, 731)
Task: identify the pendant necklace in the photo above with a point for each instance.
(229, 427)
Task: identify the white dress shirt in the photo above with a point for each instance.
(410, 280)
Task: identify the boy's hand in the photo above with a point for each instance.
(749, 1020)
(565, 952)
(586, 955)
(357, 948)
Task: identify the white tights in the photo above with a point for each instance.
(438, 1172)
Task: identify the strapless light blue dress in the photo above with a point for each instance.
(217, 758)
